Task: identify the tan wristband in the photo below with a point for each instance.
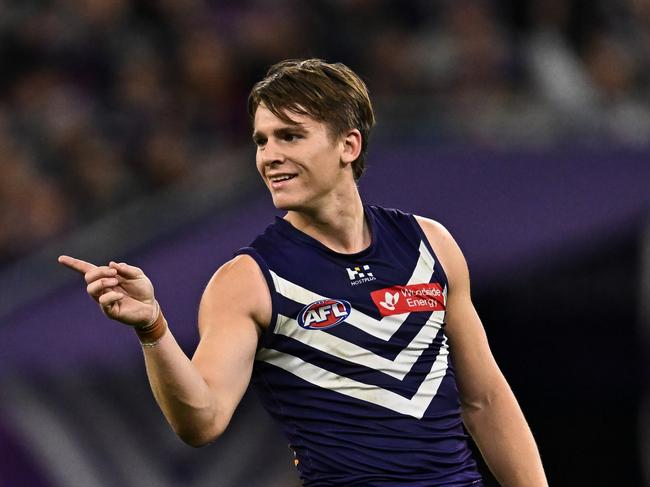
(151, 334)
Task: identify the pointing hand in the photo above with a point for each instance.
(123, 292)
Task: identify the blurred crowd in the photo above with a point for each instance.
(103, 101)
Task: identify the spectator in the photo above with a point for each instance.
(115, 99)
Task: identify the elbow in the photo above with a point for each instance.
(198, 437)
(196, 441)
(476, 404)
(477, 400)
(198, 425)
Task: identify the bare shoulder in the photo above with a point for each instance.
(237, 290)
(435, 231)
(240, 268)
(448, 252)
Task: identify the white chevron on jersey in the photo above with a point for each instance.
(345, 350)
(416, 406)
(384, 328)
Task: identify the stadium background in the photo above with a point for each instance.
(524, 127)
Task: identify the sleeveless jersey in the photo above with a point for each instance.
(355, 364)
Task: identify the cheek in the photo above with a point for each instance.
(258, 164)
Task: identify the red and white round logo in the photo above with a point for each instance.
(323, 314)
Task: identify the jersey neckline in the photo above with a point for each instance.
(288, 230)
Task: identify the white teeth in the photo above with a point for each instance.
(280, 178)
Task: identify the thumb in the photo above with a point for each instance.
(126, 270)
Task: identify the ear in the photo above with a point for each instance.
(351, 146)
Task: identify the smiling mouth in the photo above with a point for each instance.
(280, 179)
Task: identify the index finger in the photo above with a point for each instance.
(81, 266)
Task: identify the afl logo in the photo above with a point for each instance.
(322, 314)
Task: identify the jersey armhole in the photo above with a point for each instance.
(437, 264)
(250, 251)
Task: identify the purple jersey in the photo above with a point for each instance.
(355, 364)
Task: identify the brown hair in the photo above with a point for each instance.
(329, 93)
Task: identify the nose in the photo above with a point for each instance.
(270, 154)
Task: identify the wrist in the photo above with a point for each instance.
(151, 333)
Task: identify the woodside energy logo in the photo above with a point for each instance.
(406, 299)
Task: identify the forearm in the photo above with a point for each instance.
(198, 399)
(181, 392)
(499, 428)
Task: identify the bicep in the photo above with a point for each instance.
(477, 374)
(233, 308)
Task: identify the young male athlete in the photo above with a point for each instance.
(354, 322)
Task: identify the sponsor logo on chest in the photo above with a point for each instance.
(360, 274)
(323, 314)
(406, 299)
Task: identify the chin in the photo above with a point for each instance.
(283, 203)
(288, 204)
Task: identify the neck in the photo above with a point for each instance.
(339, 225)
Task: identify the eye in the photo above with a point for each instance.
(259, 141)
(289, 137)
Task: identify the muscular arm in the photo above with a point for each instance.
(490, 410)
(197, 396)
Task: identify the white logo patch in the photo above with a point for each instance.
(360, 274)
(390, 300)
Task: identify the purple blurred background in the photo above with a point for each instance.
(509, 212)
(523, 127)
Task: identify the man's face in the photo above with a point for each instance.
(300, 163)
